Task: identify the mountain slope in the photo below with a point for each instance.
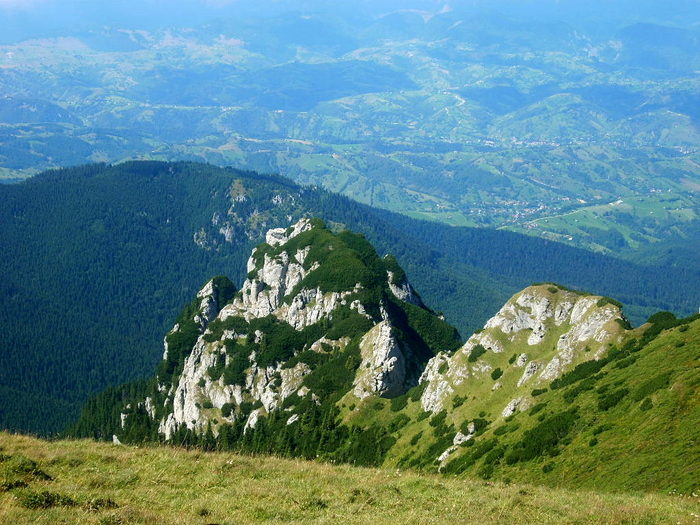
(556, 390)
(319, 316)
(137, 240)
(326, 352)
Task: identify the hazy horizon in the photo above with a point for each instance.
(24, 19)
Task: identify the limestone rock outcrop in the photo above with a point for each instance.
(544, 330)
(244, 358)
(384, 367)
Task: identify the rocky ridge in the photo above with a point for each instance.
(537, 336)
(239, 364)
(226, 372)
(327, 351)
(549, 329)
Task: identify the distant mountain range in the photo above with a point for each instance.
(571, 121)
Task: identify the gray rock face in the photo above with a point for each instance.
(562, 311)
(279, 236)
(532, 309)
(292, 379)
(263, 294)
(442, 458)
(403, 290)
(530, 371)
(461, 438)
(534, 317)
(456, 442)
(512, 407)
(310, 306)
(588, 329)
(514, 317)
(188, 395)
(383, 370)
(484, 339)
(122, 417)
(208, 308)
(150, 407)
(187, 398)
(438, 388)
(195, 387)
(252, 420)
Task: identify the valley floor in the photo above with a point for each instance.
(105, 484)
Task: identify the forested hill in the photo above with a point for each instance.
(100, 259)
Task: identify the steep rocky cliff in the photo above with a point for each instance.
(314, 303)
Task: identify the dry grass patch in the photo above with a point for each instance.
(110, 484)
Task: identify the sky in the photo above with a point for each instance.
(23, 19)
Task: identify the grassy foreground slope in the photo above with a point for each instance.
(107, 484)
(629, 421)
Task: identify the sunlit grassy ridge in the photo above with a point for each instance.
(628, 423)
(108, 484)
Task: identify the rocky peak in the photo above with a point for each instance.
(279, 236)
(276, 272)
(538, 310)
(312, 299)
(201, 311)
(208, 306)
(403, 290)
(398, 283)
(544, 330)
